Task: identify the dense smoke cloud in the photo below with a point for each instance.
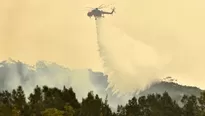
(14, 73)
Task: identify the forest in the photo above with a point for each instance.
(46, 101)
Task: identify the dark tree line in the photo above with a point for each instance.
(47, 101)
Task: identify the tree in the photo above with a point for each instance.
(52, 112)
(168, 106)
(121, 111)
(190, 107)
(5, 110)
(69, 111)
(5, 103)
(91, 106)
(5, 98)
(105, 110)
(16, 112)
(69, 96)
(36, 101)
(132, 108)
(19, 100)
(144, 106)
(56, 102)
(201, 100)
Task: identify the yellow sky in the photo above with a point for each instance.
(60, 31)
(34, 30)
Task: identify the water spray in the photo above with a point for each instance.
(130, 64)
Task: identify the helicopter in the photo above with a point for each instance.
(97, 13)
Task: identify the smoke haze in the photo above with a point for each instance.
(158, 38)
(15, 73)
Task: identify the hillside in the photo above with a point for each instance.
(175, 90)
(14, 73)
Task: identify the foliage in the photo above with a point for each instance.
(52, 112)
(47, 101)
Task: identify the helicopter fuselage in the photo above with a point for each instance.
(95, 13)
(98, 13)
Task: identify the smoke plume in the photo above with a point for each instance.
(14, 73)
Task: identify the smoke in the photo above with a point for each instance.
(130, 64)
(14, 73)
(148, 40)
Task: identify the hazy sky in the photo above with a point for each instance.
(34, 30)
(60, 31)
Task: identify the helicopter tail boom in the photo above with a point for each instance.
(113, 11)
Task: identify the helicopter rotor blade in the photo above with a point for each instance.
(99, 7)
(104, 6)
(89, 7)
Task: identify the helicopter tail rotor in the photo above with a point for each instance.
(113, 10)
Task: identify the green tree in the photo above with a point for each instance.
(19, 100)
(5, 98)
(132, 108)
(144, 106)
(91, 106)
(16, 112)
(36, 101)
(5, 110)
(5, 103)
(54, 95)
(69, 111)
(168, 106)
(56, 102)
(52, 112)
(105, 110)
(201, 100)
(68, 96)
(121, 111)
(190, 107)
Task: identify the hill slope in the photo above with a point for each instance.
(175, 90)
(14, 73)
